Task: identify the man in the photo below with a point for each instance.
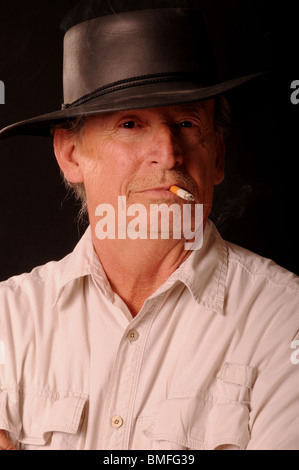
(137, 342)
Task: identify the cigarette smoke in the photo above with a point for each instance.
(232, 199)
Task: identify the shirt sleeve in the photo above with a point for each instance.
(274, 417)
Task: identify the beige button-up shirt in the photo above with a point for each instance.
(209, 362)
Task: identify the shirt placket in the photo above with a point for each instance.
(125, 376)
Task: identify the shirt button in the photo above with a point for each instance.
(133, 335)
(117, 422)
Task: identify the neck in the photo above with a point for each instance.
(136, 268)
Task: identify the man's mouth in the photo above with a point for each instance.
(160, 192)
(169, 191)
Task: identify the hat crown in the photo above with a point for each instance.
(134, 47)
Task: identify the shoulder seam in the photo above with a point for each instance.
(14, 284)
(263, 274)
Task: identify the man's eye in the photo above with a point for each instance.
(129, 124)
(186, 124)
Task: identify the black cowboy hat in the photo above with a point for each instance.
(133, 60)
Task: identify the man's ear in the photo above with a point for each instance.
(65, 148)
(220, 148)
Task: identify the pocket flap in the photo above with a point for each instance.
(32, 417)
(65, 414)
(201, 423)
(228, 425)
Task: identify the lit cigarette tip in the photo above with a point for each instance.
(181, 193)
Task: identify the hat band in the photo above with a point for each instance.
(133, 82)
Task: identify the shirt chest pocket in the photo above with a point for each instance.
(38, 421)
(203, 420)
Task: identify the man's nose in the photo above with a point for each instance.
(164, 149)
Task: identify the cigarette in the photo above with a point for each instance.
(181, 193)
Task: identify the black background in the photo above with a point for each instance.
(256, 206)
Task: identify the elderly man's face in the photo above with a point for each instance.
(141, 153)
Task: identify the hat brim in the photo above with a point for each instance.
(145, 96)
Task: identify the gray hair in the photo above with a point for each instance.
(74, 126)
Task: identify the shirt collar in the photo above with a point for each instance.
(203, 272)
(83, 261)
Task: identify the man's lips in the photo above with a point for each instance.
(162, 192)
(157, 188)
(171, 189)
(165, 190)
